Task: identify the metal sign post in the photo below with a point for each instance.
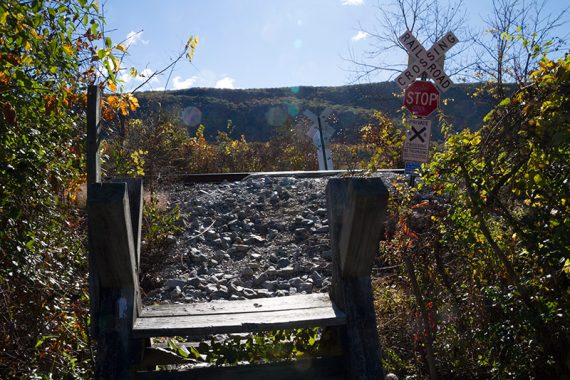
(422, 98)
(322, 143)
(320, 132)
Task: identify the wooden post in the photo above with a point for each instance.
(112, 257)
(357, 208)
(364, 213)
(135, 189)
(93, 132)
(93, 176)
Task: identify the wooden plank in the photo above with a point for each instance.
(330, 368)
(296, 302)
(111, 235)
(365, 211)
(336, 191)
(135, 190)
(197, 325)
(220, 177)
(160, 353)
(154, 356)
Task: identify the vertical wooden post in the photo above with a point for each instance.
(357, 208)
(135, 189)
(93, 176)
(93, 132)
(112, 256)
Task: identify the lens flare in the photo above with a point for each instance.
(276, 116)
(191, 116)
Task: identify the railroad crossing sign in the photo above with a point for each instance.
(426, 61)
(320, 132)
(421, 98)
(416, 146)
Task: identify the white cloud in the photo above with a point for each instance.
(225, 82)
(124, 76)
(178, 83)
(352, 2)
(360, 35)
(145, 74)
(134, 38)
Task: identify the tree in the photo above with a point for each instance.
(508, 222)
(516, 35)
(50, 51)
(427, 20)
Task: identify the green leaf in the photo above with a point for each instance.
(183, 351)
(94, 28)
(42, 339)
(505, 102)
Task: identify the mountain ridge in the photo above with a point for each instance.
(256, 113)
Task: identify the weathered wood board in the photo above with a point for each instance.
(296, 302)
(238, 316)
(331, 368)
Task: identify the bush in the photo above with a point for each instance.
(480, 253)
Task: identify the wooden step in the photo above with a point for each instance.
(226, 317)
(330, 368)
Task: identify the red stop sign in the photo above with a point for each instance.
(421, 98)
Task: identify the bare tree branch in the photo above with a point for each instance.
(429, 21)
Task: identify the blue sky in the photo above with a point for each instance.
(254, 43)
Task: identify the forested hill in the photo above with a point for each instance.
(257, 112)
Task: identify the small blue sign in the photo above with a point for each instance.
(412, 168)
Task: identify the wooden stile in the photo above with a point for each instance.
(357, 208)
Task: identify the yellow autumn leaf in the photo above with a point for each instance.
(133, 102)
(112, 86)
(123, 107)
(35, 34)
(68, 49)
(113, 101)
(566, 267)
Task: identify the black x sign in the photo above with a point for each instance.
(417, 134)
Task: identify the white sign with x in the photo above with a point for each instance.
(425, 61)
(416, 145)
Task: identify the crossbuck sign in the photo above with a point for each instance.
(425, 61)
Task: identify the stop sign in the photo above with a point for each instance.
(421, 98)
